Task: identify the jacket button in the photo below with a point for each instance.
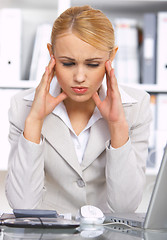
(80, 183)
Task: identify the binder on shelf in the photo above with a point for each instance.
(162, 48)
(151, 161)
(162, 112)
(161, 134)
(126, 62)
(40, 57)
(10, 44)
(149, 49)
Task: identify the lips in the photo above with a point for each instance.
(79, 90)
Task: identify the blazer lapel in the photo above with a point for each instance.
(99, 134)
(58, 135)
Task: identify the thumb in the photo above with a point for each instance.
(96, 99)
(62, 96)
(56, 100)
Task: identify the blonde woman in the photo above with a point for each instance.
(78, 139)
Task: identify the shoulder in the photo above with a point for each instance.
(140, 111)
(136, 93)
(19, 107)
(20, 100)
(22, 94)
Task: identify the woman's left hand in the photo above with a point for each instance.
(112, 110)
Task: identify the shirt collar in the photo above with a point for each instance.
(55, 91)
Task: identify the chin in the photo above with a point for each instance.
(80, 98)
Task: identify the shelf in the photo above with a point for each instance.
(114, 5)
(124, 5)
(28, 4)
(151, 88)
(151, 172)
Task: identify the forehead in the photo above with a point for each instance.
(71, 46)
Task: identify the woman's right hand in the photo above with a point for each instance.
(43, 104)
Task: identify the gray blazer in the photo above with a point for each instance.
(49, 176)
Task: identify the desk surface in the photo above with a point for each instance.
(102, 233)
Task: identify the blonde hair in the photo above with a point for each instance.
(88, 24)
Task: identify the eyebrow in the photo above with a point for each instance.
(92, 59)
(86, 60)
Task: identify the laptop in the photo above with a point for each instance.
(156, 216)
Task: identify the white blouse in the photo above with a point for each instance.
(81, 140)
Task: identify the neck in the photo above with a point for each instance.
(79, 107)
(79, 113)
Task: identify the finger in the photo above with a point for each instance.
(114, 83)
(108, 81)
(54, 101)
(96, 99)
(49, 74)
(62, 96)
(108, 75)
(50, 69)
(111, 79)
(51, 63)
(108, 67)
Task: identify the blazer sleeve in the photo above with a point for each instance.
(125, 166)
(25, 179)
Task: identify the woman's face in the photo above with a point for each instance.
(80, 67)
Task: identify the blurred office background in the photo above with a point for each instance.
(141, 35)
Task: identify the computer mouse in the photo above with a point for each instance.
(91, 215)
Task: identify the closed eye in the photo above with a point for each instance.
(93, 64)
(68, 64)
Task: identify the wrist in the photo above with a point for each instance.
(32, 129)
(119, 132)
(31, 120)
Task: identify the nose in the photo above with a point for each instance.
(79, 75)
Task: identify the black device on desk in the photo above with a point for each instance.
(41, 223)
(36, 218)
(23, 213)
